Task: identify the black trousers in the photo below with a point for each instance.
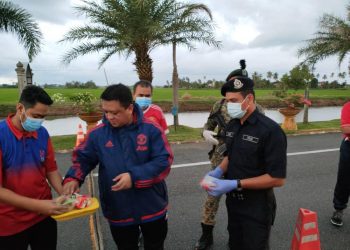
(41, 236)
(154, 234)
(249, 220)
(342, 188)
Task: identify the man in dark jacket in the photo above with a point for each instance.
(134, 158)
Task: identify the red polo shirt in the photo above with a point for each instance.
(155, 113)
(345, 116)
(25, 160)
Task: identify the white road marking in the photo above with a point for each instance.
(289, 154)
(314, 152)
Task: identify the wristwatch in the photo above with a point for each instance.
(239, 185)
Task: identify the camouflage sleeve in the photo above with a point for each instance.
(211, 124)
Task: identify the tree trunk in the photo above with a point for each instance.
(143, 63)
(175, 80)
(306, 107)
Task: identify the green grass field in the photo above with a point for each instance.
(10, 96)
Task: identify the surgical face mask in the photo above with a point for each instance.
(143, 102)
(31, 124)
(235, 110)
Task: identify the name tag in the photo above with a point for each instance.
(230, 134)
(250, 138)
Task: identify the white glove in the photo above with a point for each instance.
(208, 136)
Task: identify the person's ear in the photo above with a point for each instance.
(20, 107)
(131, 108)
(250, 99)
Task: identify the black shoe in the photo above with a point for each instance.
(206, 239)
(337, 218)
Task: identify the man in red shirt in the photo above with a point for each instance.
(342, 188)
(142, 94)
(27, 162)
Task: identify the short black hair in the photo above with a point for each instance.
(118, 92)
(143, 83)
(32, 94)
(244, 93)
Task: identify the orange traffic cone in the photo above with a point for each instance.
(306, 234)
(80, 136)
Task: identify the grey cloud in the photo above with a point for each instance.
(280, 22)
(283, 25)
(55, 11)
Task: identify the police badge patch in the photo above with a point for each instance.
(237, 84)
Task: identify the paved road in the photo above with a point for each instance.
(310, 183)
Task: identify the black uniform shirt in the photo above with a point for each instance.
(257, 147)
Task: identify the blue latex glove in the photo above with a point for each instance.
(217, 172)
(222, 187)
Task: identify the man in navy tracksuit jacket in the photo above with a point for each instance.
(134, 158)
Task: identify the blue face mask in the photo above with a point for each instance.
(143, 102)
(31, 124)
(235, 110)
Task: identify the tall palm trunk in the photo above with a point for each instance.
(175, 81)
(143, 63)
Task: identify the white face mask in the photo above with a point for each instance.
(234, 109)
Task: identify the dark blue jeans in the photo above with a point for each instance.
(154, 234)
(342, 188)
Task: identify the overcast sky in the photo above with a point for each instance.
(267, 33)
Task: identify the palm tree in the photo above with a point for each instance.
(269, 75)
(333, 38)
(17, 20)
(188, 24)
(122, 27)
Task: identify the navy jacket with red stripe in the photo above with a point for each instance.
(140, 149)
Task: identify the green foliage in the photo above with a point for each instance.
(86, 102)
(18, 21)
(76, 84)
(333, 38)
(294, 100)
(58, 98)
(281, 93)
(298, 77)
(184, 133)
(127, 27)
(10, 96)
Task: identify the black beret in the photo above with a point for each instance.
(238, 84)
(238, 72)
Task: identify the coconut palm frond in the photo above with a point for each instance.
(18, 21)
(333, 38)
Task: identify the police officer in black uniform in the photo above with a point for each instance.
(255, 163)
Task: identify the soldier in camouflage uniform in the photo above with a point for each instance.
(218, 118)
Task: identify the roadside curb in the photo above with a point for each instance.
(298, 133)
(314, 132)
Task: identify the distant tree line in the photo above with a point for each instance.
(5, 85)
(297, 78)
(73, 85)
